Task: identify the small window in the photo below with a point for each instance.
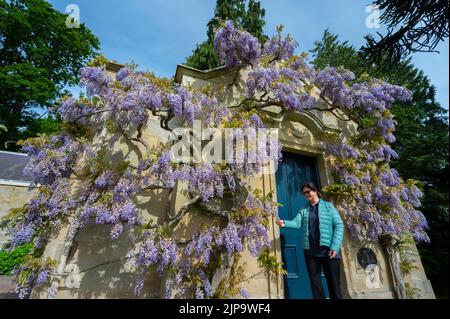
(366, 257)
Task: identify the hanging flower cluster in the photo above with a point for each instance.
(374, 199)
(280, 48)
(236, 47)
(246, 228)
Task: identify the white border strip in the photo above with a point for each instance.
(14, 153)
(8, 182)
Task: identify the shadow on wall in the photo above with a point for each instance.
(104, 270)
(99, 264)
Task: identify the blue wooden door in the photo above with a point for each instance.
(292, 173)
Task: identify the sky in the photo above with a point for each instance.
(159, 34)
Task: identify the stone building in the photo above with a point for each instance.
(93, 266)
(13, 186)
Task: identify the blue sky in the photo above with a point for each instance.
(159, 34)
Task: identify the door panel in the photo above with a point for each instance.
(292, 173)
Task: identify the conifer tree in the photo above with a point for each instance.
(247, 16)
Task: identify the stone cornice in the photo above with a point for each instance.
(183, 69)
(314, 122)
(199, 74)
(114, 66)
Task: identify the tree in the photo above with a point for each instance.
(39, 56)
(413, 26)
(376, 201)
(204, 57)
(47, 125)
(421, 141)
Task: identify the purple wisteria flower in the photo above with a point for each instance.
(281, 49)
(42, 277)
(161, 252)
(244, 293)
(229, 238)
(206, 284)
(213, 111)
(185, 104)
(72, 111)
(52, 160)
(285, 83)
(255, 234)
(201, 245)
(123, 73)
(106, 179)
(333, 86)
(52, 291)
(261, 80)
(199, 294)
(96, 80)
(22, 234)
(161, 172)
(236, 47)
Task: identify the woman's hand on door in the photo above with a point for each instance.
(280, 222)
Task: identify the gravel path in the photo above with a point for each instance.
(7, 288)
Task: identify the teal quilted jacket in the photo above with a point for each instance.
(331, 226)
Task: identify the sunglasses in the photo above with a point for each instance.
(307, 192)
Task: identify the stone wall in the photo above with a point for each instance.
(12, 195)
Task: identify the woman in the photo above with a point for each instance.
(322, 241)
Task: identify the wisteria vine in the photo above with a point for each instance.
(374, 199)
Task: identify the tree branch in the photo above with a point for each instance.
(183, 210)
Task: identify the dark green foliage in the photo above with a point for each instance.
(412, 26)
(39, 56)
(422, 143)
(250, 17)
(204, 57)
(10, 259)
(41, 125)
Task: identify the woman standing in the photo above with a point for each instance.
(322, 241)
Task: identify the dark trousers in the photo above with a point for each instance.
(331, 269)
